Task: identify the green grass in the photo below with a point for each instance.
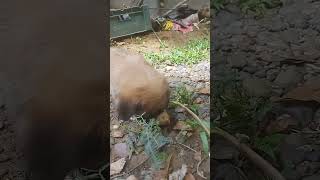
(191, 53)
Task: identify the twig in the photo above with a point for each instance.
(250, 154)
(198, 165)
(186, 147)
(168, 166)
(195, 116)
(154, 32)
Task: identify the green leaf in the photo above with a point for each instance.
(205, 142)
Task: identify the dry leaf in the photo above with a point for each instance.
(189, 176)
(310, 91)
(116, 167)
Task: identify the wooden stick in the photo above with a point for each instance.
(264, 165)
(195, 116)
(250, 154)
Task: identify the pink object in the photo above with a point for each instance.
(178, 27)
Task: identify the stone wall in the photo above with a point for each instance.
(274, 53)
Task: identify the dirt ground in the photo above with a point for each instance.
(186, 153)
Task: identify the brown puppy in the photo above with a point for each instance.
(136, 86)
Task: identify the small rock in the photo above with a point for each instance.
(205, 90)
(121, 150)
(132, 177)
(289, 77)
(272, 74)
(238, 60)
(117, 134)
(197, 156)
(250, 69)
(179, 110)
(261, 73)
(257, 87)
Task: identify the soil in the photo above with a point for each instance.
(195, 78)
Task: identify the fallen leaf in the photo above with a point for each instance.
(189, 176)
(183, 126)
(164, 119)
(117, 134)
(116, 167)
(310, 91)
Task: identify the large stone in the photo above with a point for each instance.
(238, 60)
(257, 87)
(289, 77)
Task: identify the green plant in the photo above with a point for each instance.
(258, 7)
(182, 95)
(218, 4)
(193, 52)
(269, 144)
(152, 139)
(238, 111)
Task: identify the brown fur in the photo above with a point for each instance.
(136, 86)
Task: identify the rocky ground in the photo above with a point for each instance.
(273, 56)
(196, 79)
